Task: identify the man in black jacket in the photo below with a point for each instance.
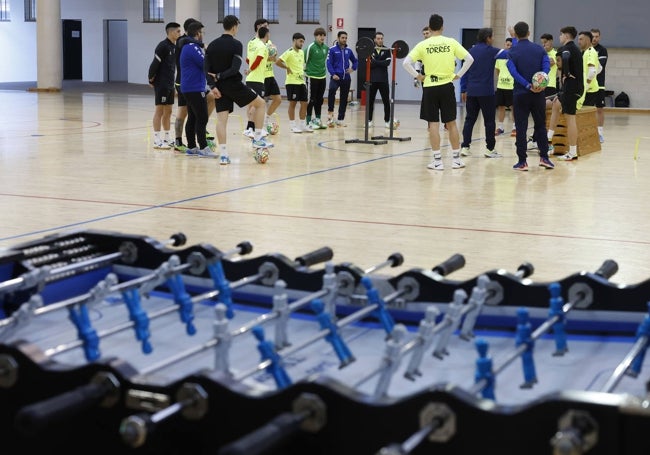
(379, 61)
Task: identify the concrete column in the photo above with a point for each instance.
(186, 9)
(49, 45)
(521, 10)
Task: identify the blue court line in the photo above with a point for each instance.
(195, 198)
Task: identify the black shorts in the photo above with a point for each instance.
(258, 87)
(182, 102)
(438, 103)
(297, 92)
(590, 99)
(234, 92)
(164, 95)
(600, 98)
(550, 91)
(271, 86)
(504, 97)
(569, 96)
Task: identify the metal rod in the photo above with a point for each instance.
(622, 367)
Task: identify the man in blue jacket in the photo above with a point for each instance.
(477, 92)
(341, 62)
(193, 83)
(526, 59)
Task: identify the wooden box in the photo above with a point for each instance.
(587, 122)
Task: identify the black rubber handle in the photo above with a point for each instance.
(396, 259)
(245, 247)
(315, 257)
(608, 269)
(266, 438)
(35, 417)
(455, 262)
(526, 269)
(178, 239)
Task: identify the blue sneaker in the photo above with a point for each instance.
(545, 162)
(261, 144)
(192, 151)
(520, 166)
(225, 159)
(499, 132)
(207, 153)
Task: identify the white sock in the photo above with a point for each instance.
(167, 135)
(292, 123)
(549, 135)
(500, 126)
(436, 154)
(573, 150)
(257, 135)
(455, 153)
(222, 150)
(156, 136)
(600, 130)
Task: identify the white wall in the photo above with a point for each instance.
(396, 19)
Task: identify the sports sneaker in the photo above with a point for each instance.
(249, 133)
(208, 153)
(520, 166)
(513, 133)
(330, 123)
(436, 164)
(224, 159)
(531, 145)
(370, 124)
(296, 129)
(340, 124)
(387, 125)
(551, 149)
(545, 162)
(260, 144)
(499, 132)
(194, 151)
(209, 136)
(162, 145)
(568, 157)
(316, 124)
(307, 129)
(457, 163)
(601, 138)
(170, 142)
(180, 148)
(492, 154)
(211, 143)
(464, 151)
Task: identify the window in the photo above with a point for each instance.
(308, 11)
(268, 9)
(153, 10)
(5, 15)
(228, 8)
(30, 10)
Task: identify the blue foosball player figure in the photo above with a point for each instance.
(556, 303)
(524, 337)
(381, 312)
(267, 350)
(643, 331)
(484, 369)
(334, 337)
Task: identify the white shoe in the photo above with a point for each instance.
(207, 153)
(370, 124)
(162, 145)
(296, 129)
(492, 154)
(464, 151)
(457, 163)
(307, 129)
(387, 125)
(436, 164)
(249, 133)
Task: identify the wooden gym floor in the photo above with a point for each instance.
(83, 159)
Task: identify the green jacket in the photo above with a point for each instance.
(315, 59)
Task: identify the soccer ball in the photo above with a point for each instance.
(396, 123)
(261, 155)
(273, 51)
(540, 79)
(272, 128)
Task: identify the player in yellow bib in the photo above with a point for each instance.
(438, 54)
(257, 57)
(271, 87)
(505, 86)
(590, 65)
(293, 60)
